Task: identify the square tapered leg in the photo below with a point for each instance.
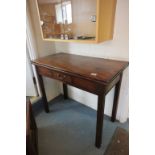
(116, 98)
(65, 91)
(99, 124)
(43, 93)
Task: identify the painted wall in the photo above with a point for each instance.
(44, 48)
(118, 48)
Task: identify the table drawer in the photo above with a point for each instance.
(73, 80)
(54, 74)
(84, 84)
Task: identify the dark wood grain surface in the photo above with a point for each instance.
(101, 69)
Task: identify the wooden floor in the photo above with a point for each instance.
(119, 144)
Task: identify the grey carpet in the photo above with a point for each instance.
(69, 129)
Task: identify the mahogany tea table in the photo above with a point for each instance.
(95, 75)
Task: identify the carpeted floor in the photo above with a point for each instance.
(69, 129)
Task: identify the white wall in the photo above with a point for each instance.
(118, 48)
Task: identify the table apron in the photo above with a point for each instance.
(73, 80)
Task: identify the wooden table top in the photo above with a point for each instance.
(101, 69)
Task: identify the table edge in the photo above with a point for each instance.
(82, 76)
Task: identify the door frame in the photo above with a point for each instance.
(32, 48)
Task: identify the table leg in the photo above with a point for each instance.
(116, 98)
(65, 91)
(43, 93)
(100, 116)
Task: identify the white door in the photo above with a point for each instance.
(30, 86)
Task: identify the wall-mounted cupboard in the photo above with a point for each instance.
(85, 21)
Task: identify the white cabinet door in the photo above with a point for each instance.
(30, 86)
